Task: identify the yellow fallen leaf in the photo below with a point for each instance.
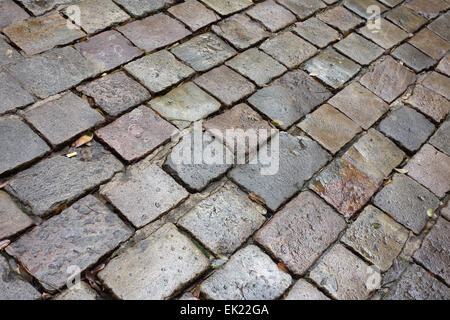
(83, 140)
(4, 184)
(256, 198)
(430, 213)
(71, 155)
(277, 123)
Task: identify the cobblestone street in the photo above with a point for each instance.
(98, 98)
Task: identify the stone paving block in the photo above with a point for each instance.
(391, 3)
(359, 49)
(376, 237)
(408, 127)
(332, 68)
(146, 196)
(185, 104)
(273, 16)
(136, 133)
(444, 65)
(11, 13)
(289, 98)
(375, 155)
(12, 219)
(407, 202)
(204, 51)
(360, 7)
(18, 144)
(224, 221)
(250, 274)
(289, 49)
(193, 14)
(441, 26)
(417, 284)
(79, 236)
(359, 104)
(430, 103)
(344, 187)
(303, 9)
(431, 168)
(159, 71)
(438, 83)
(430, 43)
(227, 7)
(435, 252)
(12, 287)
(329, 127)
(413, 58)
(316, 32)
(61, 118)
(156, 267)
(256, 65)
(53, 72)
(441, 139)
(428, 8)
(303, 290)
(154, 32)
(12, 95)
(445, 212)
(388, 80)
(115, 93)
(7, 53)
(342, 274)
(80, 292)
(143, 7)
(57, 180)
(241, 31)
(225, 84)
(108, 50)
(406, 18)
(276, 189)
(40, 34)
(198, 174)
(40, 7)
(301, 232)
(340, 18)
(387, 37)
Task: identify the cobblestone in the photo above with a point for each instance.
(316, 32)
(12, 219)
(359, 49)
(303, 9)
(12, 287)
(340, 18)
(7, 53)
(12, 95)
(429, 102)
(429, 9)
(273, 16)
(441, 139)
(193, 14)
(406, 18)
(11, 13)
(430, 43)
(360, 7)
(441, 26)
(438, 83)
(143, 7)
(303, 290)
(227, 7)
(444, 65)
(412, 57)
(82, 292)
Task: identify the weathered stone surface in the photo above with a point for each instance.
(376, 237)
(441, 26)
(441, 139)
(12, 95)
(224, 221)
(289, 49)
(204, 51)
(54, 181)
(257, 66)
(136, 133)
(303, 9)
(332, 68)
(18, 144)
(155, 268)
(197, 168)
(444, 65)
(159, 71)
(275, 189)
(185, 104)
(431, 168)
(417, 284)
(40, 7)
(240, 30)
(388, 36)
(188, 296)
(80, 292)
(329, 127)
(408, 127)
(359, 49)
(227, 7)
(11, 13)
(143, 7)
(301, 232)
(61, 118)
(273, 16)
(7, 53)
(340, 18)
(359, 104)
(225, 84)
(154, 32)
(12, 219)
(375, 155)
(407, 202)
(428, 8)
(438, 83)
(388, 79)
(360, 7)
(343, 186)
(79, 236)
(391, 3)
(303, 290)
(429, 102)
(193, 14)
(12, 287)
(413, 57)
(445, 212)
(115, 93)
(342, 274)
(249, 275)
(406, 18)
(146, 196)
(316, 32)
(108, 50)
(430, 43)
(289, 98)
(53, 72)
(40, 34)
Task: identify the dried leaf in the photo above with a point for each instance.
(4, 244)
(277, 123)
(4, 184)
(283, 267)
(387, 182)
(403, 171)
(257, 199)
(83, 140)
(71, 155)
